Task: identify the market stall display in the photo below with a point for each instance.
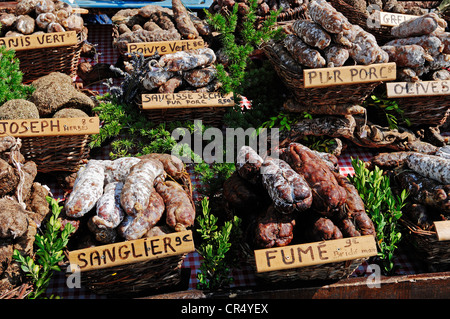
(26, 31)
(304, 215)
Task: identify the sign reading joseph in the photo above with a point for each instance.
(44, 40)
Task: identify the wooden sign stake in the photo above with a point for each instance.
(354, 74)
(329, 251)
(128, 252)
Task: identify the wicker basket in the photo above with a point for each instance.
(57, 153)
(311, 97)
(429, 110)
(36, 63)
(426, 247)
(147, 275)
(330, 271)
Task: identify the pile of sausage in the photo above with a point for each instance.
(327, 40)
(192, 71)
(426, 177)
(155, 23)
(127, 197)
(38, 16)
(421, 49)
(303, 193)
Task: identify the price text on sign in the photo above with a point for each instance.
(390, 19)
(349, 75)
(442, 229)
(316, 253)
(38, 41)
(50, 127)
(164, 47)
(421, 88)
(186, 100)
(133, 251)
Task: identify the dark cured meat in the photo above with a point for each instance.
(328, 195)
(274, 229)
(288, 189)
(248, 164)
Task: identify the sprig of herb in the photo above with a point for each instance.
(238, 50)
(11, 77)
(390, 109)
(383, 207)
(215, 244)
(50, 245)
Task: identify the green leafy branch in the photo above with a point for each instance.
(383, 207)
(238, 54)
(49, 254)
(390, 109)
(215, 245)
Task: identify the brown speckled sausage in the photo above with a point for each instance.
(179, 208)
(311, 33)
(274, 229)
(248, 164)
(139, 184)
(87, 189)
(109, 212)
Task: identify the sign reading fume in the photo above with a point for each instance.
(328, 251)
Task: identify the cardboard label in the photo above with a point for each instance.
(420, 88)
(132, 251)
(50, 127)
(38, 41)
(442, 229)
(316, 253)
(390, 19)
(349, 75)
(164, 47)
(186, 100)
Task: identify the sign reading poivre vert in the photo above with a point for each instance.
(43, 40)
(132, 251)
(164, 47)
(354, 74)
(186, 100)
(419, 88)
(328, 251)
(50, 127)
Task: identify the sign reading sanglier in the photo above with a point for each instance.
(37, 41)
(50, 127)
(132, 251)
(349, 75)
(328, 251)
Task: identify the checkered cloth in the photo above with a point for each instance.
(101, 36)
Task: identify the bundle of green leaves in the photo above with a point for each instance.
(383, 207)
(11, 77)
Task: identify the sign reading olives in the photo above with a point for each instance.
(420, 88)
(133, 251)
(43, 40)
(329, 251)
(344, 75)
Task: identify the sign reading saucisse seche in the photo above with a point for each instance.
(132, 251)
(354, 74)
(324, 252)
(186, 100)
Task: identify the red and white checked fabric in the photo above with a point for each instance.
(244, 277)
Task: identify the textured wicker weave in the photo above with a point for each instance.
(132, 278)
(36, 63)
(56, 153)
(333, 95)
(425, 245)
(432, 110)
